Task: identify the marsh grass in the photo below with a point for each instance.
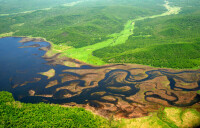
(16, 114)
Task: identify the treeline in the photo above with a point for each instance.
(78, 26)
(77, 32)
(16, 6)
(171, 41)
(16, 114)
(167, 55)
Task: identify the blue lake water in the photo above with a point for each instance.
(20, 63)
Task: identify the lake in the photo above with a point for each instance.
(128, 90)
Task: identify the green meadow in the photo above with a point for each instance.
(16, 114)
(85, 54)
(170, 41)
(102, 32)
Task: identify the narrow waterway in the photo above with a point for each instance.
(110, 88)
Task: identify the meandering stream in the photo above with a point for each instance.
(127, 90)
(118, 88)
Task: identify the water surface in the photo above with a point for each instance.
(112, 88)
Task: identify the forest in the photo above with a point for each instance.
(18, 6)
(170, 41)
(17, 114)
(89, 33)
(76, 26)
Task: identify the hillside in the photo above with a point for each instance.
(16, 114)
(9, 7)
(100, 63)
(149, 32)
(170, 41)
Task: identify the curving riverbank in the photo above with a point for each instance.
(85, 53)
(127, 90)
(17, 114)
(129, 95)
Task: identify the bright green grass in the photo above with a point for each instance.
(85, 54)
(16, 114)
(88, 37)
(169, 42)
(77, 33)
(170, 117)
(6, 34)
(176, 117)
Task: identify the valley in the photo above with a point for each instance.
(100, 63)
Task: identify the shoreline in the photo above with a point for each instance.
(131, 86)
(50, 53)
(165, 117)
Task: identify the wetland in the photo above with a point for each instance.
(122, 90)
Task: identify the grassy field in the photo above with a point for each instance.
(85, 54)
(170, 41)
(78, 26)
(16, 114)
(167, 118)
(101, 32)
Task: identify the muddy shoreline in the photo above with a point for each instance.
(119, 90)
(55, 56)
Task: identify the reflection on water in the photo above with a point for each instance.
(126, 90)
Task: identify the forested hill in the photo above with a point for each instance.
(171, 41)
(17, 6)
(166, 41)
(86, 23)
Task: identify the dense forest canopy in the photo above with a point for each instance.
(159, 33)
(16, 6)
(84, 24)
(88, 22)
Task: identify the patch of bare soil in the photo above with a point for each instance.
(122, 90)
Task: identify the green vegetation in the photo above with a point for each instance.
(180, 55)
(170, 41)
(16, 114)
(18, 6)
(86, 53)
(176, 117)
(6, 34)
(97, 32)
(49, 74)
(168, 118)
(78, 26)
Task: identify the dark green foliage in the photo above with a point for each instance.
(91, 22)
(168, 55)
(6, 97)
(16, 114)
(15, 6)
(170, 41)
(78, 26)
(188, 6)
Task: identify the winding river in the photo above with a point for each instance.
(123, 89)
